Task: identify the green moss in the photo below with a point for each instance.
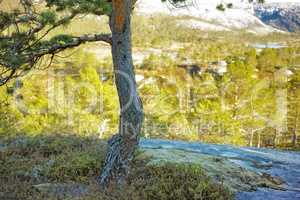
(77, 166)
(28, 161)
(175, 181)
(168, 181)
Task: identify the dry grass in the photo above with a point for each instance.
(28, 161)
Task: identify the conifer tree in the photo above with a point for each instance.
(25, 40)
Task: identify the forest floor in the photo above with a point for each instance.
(65, 167)
(55, 167)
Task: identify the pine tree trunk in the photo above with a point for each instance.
(259, 141)
(275, 140)
(121, 147)
(295, 129)
(251, 138)
(294, 139)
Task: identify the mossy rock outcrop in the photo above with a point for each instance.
(221, 169)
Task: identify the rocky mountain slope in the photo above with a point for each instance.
(273, 16)
(284, 16)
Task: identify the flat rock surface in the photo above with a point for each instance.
(255, 173)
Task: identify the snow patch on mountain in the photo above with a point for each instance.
(201, 25)
(205, 16)
(285, 16)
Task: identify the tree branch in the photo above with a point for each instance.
(34, 56)
(56, 48)
(42, 26)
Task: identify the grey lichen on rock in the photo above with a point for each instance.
(221, 169)
(62, 190)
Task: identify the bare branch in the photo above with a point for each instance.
(56, 48)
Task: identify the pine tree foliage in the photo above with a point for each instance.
(24, 32)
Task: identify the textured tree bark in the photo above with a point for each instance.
(275, 140)
(295, 128)
(251, 138)
(121, 147)
(294, 139)
(259, 141)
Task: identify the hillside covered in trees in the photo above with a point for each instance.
(215, 88)
(212, 88)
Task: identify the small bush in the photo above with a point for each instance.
(221, 7)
